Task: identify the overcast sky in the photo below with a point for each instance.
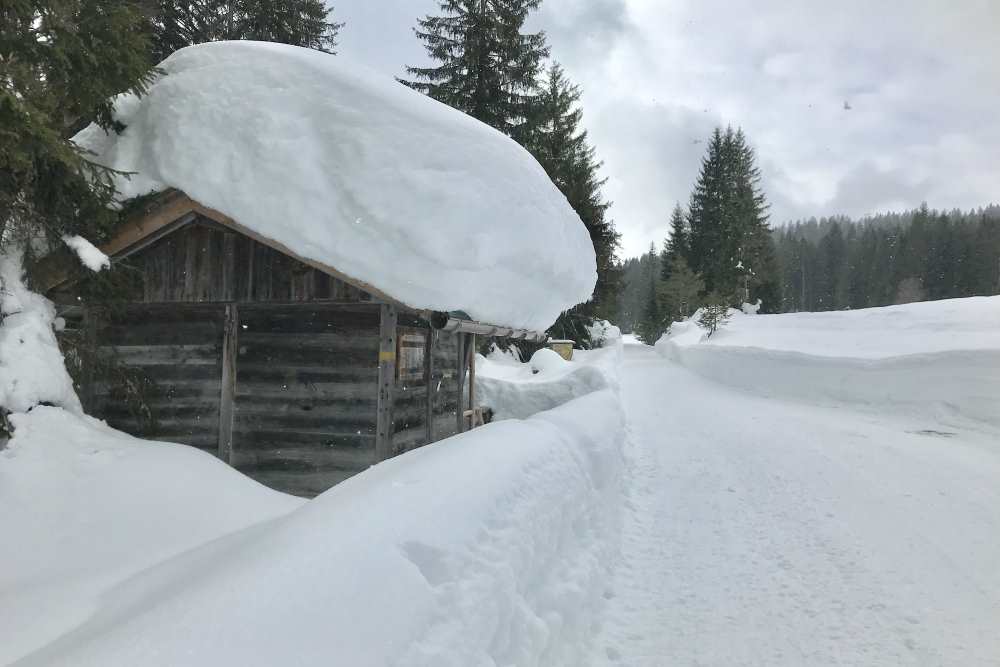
(922, 78)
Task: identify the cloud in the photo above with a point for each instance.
(920, 77)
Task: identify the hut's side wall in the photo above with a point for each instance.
(409, 409)
(444, 383)
(178, 348)
(305, 394)
(425, 359)
(267, 363)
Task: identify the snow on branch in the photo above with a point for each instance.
(89, 255)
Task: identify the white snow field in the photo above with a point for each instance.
(937, 358)
(762, 531)
(345, 166)
(516, 391)
(492, 547)
(662, 518)
(86, 507)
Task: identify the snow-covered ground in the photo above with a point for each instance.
(938, 359)
(85, 508)
(928, 327)
(773, 532)
(516, 390)
(660, 512)
(492, 547)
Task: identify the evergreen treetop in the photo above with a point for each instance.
(486, 66)
(675, 246)
(306, 23)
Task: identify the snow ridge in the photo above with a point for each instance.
(487, 548)
(939, 359)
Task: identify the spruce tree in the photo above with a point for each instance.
(730, 242)
(486, 66)
(306, 23)
(680, 292)
(705, 214)
(675, 247)
(560, 145)
(653, 321)
(62, 62)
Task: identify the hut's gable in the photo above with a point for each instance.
(201, 260)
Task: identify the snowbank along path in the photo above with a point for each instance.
(770, 532)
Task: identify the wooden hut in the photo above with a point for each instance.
(285, 368)
(305, 226)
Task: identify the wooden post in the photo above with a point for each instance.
(460, 410)
(472, 381)
(230, 349)
(429, 381)
(386, 382)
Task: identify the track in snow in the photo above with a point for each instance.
(762, 532)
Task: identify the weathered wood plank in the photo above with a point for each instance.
(471, 363)
(459, 418)
(292, 415)
(428, 378)
(228, 389)
(329, 435)
(281, 457)
(386, 380)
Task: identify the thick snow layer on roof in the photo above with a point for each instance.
(349, 168)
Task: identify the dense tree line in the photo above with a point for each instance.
(487, 65)
(838, 263)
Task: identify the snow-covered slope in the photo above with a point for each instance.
(938, 357)
(347, 167)
(515, 390)
(871, 333)
(492, 547)
(85, 507)
(762, 531)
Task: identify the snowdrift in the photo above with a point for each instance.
(517, 390)
(487, 548)
(349, 168)
(86, 507)
(940, 359)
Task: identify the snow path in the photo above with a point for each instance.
(767, 532)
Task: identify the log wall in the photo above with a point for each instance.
(306, 393)
(180, 349)
(283, 371)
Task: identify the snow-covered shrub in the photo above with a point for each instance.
(713, 315)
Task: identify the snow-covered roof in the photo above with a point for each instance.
(349, 168)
